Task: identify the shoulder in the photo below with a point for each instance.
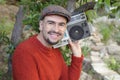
(24, 47)
(26, 43)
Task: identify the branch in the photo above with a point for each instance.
(84, 8)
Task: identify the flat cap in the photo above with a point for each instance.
(57, 10)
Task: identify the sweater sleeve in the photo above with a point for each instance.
(74, 70)
(23, 66)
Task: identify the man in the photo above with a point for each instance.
(36, 59)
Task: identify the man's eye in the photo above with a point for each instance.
(50, 22)
(62, 24)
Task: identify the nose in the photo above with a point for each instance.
(56, 28)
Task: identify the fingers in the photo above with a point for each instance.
(75, 47)
(74, 42)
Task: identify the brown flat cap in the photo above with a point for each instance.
(55, 9)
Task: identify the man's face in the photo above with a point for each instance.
(52, 28)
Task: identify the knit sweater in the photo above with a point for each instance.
(33, 61)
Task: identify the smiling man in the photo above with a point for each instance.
(52, 29)
(36, 59)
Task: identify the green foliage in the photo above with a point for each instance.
(91, 15)
(6, 26)
(106, 30)
(10, 48)
(115, 11)
(33, 9)
(1, 74)
(102, 8)
(3, 38)
(33, 21)
(113, 64)
(85, 50)
(108, 7)
(81, 2)
(2, 1)
(66, 54)
(117, 37)
(115, 3)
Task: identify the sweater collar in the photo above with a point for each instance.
(41, 46)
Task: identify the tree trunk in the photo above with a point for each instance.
(71, 5)
(16, 36)
(17, 31)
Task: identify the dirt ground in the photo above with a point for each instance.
(8, 11)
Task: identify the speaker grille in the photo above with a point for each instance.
(76, 32)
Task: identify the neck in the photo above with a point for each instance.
(41, 39)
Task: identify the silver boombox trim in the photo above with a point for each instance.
(75, 20)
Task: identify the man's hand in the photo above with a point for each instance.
(76, 48)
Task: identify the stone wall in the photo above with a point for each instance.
(99, 53)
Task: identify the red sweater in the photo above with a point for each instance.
(33, 61)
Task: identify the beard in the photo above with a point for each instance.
(48, 40)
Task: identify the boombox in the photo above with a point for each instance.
(77, 29)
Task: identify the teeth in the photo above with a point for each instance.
(54, 35)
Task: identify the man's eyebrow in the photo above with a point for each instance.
(50, 21)
(56, 22)
(62, 23)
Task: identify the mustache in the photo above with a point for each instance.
(54, 32)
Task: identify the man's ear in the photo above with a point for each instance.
(40, 25)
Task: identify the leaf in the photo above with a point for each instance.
(107, 2)
(116, 4)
